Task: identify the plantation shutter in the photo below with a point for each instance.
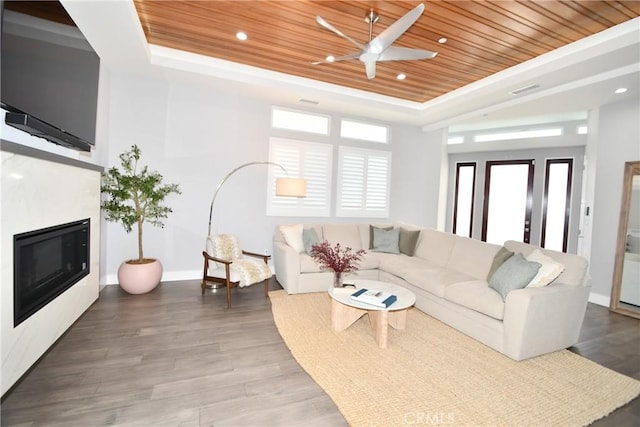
(363, 183)
(309, 160)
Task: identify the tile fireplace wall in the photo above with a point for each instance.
(40, 190)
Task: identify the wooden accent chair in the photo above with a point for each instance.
(225, 264)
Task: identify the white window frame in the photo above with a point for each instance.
(366, 206)
(387, 132)
(312, 161)
(301, 115)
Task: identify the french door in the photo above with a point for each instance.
(508, 201)
(464, 197)
(556, 204)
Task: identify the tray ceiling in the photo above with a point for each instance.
(483, 37)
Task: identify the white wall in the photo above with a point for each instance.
(618, 141)
(194, 134)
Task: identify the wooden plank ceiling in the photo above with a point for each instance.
(484, 37)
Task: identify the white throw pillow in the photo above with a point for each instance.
(293, 236)
(549, 269)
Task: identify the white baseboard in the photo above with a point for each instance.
(167, 276)
(602, 300)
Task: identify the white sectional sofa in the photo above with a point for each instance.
(450, 277)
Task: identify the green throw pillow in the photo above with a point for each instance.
(408, 241)
(514, 273)
(386, 240)
(500, 257)
(373, 227)
(309, 238)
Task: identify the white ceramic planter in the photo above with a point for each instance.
(139, 278)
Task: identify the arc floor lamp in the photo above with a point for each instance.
(287, 186)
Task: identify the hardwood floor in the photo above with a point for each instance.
(174, 358)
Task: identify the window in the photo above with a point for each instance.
(363, 183)
(364, 131)
(464, 199)
(455, 140)
(502, 136)
(299, 121)
(309, 160)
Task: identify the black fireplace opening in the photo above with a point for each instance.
(47, 262)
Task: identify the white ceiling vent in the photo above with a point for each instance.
(524, 89)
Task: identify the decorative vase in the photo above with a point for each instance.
(137, 278)
(337, 279)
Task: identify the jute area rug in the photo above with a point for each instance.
(432, 374)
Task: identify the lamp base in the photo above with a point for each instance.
(214, 285)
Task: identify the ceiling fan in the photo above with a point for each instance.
(379, 48)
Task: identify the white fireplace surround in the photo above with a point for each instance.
(40, 190)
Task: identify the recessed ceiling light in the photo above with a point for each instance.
(621, 90)
(442, 40)
(401, 76)
(330, 58)
(241, 36)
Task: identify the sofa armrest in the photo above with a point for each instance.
(287, 266)
(542, 320)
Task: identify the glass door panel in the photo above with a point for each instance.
(556, 204)
(464, 199)
(508, 201)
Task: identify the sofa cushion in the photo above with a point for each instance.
(514, 273)
(308, 265)
(478, 296)
(370, 261)
(408, 241)
(473, 257)
(575, 267)
(435, 246)
(386, 240)
(434, 279)
(293, 236)
(346, 234)
(371, 230)
(549, 269)
(499, 258)
(309, 238)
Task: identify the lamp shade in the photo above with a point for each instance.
(291, 187)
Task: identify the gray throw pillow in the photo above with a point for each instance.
(499, 258)
(386, 240)
(408, 241)
(309, 238)
(514, 273)
(373, 227)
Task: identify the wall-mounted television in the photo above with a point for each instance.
(49, 74)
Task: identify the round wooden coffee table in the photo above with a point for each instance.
(345, 311)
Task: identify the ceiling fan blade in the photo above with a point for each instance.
(330, 27)
(370, 67)
(395, 30)
(338, 58)
(394, 53)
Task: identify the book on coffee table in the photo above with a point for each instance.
(374, 297)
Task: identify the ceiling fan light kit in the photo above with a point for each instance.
(379, 48)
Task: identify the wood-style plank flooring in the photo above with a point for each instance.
(174, 358)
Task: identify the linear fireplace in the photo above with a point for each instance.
(47, 262)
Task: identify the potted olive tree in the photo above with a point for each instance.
(135, 195)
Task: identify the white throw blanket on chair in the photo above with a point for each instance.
(248, 271)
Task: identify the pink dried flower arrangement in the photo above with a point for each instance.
(337, 259)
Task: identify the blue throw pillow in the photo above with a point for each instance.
(309, 238)
(386, 240)
(514, 273)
